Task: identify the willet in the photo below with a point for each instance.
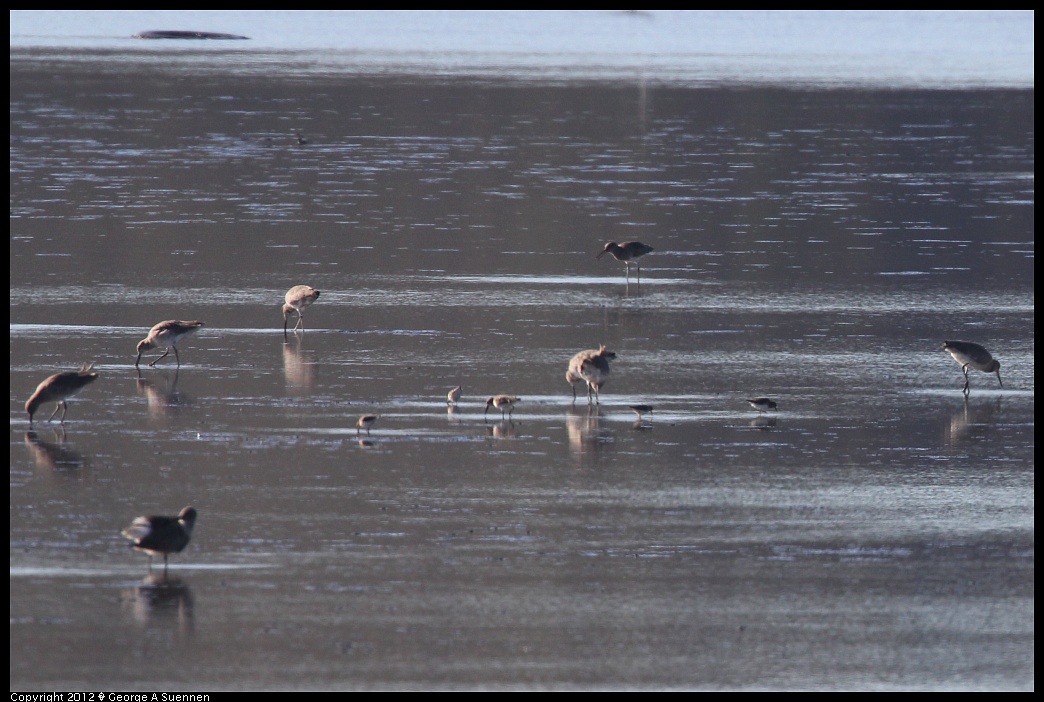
(627, 252)
(365, 422)
(502, 403)
(161, 535)
(297, 298)
(59, 388)
(592, 367)
(167, 334)
(453, 395)
(762, 404)
(971, 355)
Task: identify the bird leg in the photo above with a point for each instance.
(56, 408)
(153, 364)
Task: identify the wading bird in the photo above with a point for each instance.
(59, 388)
(762, 404)
(296, 299)
(627, 252)
(161, 535)
(971, 355)
(365, 422)
(167, 334)
(592, 367)
(641, 410)
(502, 403)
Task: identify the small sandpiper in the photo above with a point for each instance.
(365, 422)
(762, 404)
(502, 403)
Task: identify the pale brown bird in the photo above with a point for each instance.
(592, 367)
(59, 388)
(167, 334)
(161, 535)
(296, 299)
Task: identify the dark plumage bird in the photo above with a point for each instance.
(591, 367)
(641, 410)
(762, 404)
(161, 535)
(627, 252)
(59, 388)
(971, 355)
(167, 334)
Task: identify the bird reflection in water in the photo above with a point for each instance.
(586, 437)
(298, 364)
(504, 429)
(163, 602)
(973, 421)
(162, 396)
(54, 456)
(763, 422)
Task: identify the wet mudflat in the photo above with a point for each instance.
(875, 532)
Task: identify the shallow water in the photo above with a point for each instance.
(817, 247)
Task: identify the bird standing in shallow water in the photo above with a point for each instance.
(365, 422)
(167, 334)
(161, 535)
(641, 410)
(627, 252)
(453, 395)
(971, 355)
(502, 403)
(59, 388)
(762, 404)
(592, 367)
(296, 299)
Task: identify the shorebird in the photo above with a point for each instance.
(592, 367)
(161, 535)
(502, 402)
(297, 298)
(453, 395)
(762, 404)
(971, 355)
(167, 334)
(627, 252)
(59, 388)
(365, 422)
(641, 410)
